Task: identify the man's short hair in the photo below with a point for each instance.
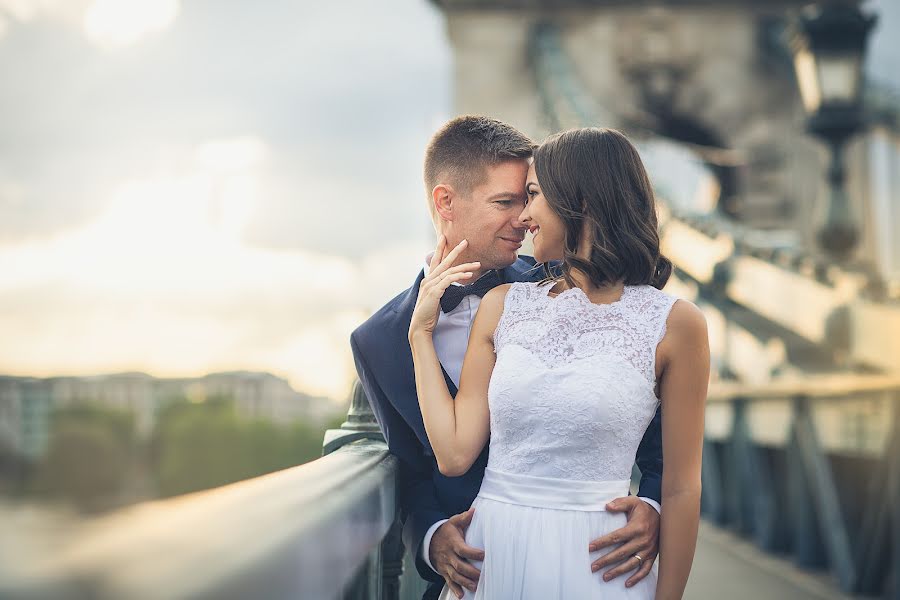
(461, 150)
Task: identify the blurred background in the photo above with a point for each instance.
(200, 200)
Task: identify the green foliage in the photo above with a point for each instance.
(119, 423)
(88, 458)
(200, 446)
(338, 419)
(95, 460)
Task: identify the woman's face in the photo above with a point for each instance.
(547, 231)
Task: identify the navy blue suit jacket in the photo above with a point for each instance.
(384, 364)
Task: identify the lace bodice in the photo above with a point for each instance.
(572, 391)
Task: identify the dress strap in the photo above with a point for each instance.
(521, 302)
(649, 309)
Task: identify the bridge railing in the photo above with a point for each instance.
(325, 529)
(810, 469)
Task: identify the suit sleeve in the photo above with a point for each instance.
(416, 492)
(650, 460)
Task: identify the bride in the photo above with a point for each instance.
(563, 376)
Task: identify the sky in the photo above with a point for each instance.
(198, 185)
(189, 186)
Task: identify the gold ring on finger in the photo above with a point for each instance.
(640, 560)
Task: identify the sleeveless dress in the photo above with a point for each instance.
(570, 398)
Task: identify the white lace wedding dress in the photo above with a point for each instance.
(570, 397)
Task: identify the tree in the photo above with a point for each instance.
(91, 448)
(200, 446)
(84, 465)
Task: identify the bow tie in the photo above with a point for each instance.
(454, 294)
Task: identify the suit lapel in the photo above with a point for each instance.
(397, 362)
(399, 365)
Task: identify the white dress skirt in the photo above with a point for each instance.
(540, 529)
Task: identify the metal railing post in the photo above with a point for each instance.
(711, 501)
(806, 542)
(892, 461)
(379, 576)
(360, 423)
(832, 524)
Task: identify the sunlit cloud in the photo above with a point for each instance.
(232, 154)
(162, 281)
(318, 356)
(24, 11)
(106, 23)
(115, 23)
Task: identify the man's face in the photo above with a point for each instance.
(489, 217)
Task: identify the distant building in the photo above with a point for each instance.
(26, 402)
(137, 392)
(255, 394)
(25, 405)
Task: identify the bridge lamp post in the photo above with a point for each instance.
(829, 47)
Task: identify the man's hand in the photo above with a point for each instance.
(449, 554)
(639, 536)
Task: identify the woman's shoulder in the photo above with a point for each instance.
(496, 296)
(686, 320)
(491, 309)
(685, 331)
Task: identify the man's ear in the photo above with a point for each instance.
(442, 196)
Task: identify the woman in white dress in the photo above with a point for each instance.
(564, 376)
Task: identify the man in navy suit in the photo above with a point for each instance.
(475, 170)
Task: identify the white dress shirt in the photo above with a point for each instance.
(451, 338)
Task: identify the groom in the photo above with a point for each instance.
(475, 169)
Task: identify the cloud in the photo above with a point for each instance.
(116, 23)
(106, 23)
(25, 11)
(318, 356)
(345, 119)
(162, 280)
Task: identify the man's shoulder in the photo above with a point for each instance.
(526, 268)
(381, 319)
(528, 260)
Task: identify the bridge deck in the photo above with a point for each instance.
(726, 565)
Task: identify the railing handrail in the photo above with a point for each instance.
(302, 532)
(822, 386)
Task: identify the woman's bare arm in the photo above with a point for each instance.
(683, 389)
(457, 429)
